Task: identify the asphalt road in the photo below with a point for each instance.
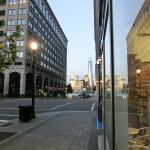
(9, 107)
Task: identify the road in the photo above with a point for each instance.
(9, 108)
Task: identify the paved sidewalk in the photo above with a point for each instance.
(54, 131)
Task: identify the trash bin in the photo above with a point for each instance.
(25, 113)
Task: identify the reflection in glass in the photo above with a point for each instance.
(138, 51)
(132, 80)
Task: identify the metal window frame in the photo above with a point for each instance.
(105, 11)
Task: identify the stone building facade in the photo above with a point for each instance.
(39, 25)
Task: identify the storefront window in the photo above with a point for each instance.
(132, 74)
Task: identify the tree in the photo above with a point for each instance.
(124, 89)
(69, 88)
(8, 55)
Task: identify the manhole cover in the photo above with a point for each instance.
(6, 124)
(5, 135)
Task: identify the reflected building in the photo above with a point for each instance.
(138, 51)
(119, 81)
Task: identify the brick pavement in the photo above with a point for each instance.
(54, 131)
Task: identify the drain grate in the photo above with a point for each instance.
(5, 135)
(6, 124)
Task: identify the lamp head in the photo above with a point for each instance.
(138, 71)
(98, 61)
(34, 46)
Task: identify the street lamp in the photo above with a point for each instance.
(138, 71)
(99, 62)
(33, 47)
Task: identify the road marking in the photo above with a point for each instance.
(4, 120)
(7, 115)
(62, 105)
(93, 106)
(8, 108)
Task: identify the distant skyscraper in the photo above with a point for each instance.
(90, 73)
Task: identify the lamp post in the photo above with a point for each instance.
(33, 47)
(98, 62)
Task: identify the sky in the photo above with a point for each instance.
(124, 17)
(76, 18)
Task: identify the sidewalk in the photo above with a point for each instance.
(54, 131)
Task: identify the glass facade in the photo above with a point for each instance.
(124, 43)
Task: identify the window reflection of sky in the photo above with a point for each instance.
(122, 24)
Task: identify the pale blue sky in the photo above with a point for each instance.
(76, 18)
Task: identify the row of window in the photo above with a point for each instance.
(19, 55)
(21, 11)
(45, 39)
(46, 42)
(10, 32)
(47, 12)
(18, 43)
(13, 2)
(44, 29)
(19, 22)
(42, 64)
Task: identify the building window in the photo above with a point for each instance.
(21, 21)
(36, 11)
(8, 43)
(40, 16)
(2, 12)
(22, 2)
(31, 4)
(39, 34)
(41, 54)
(12, 2)
(22, 11)
(28, 56)
(11, 12)
(43, 21)
(9, 32)
(43, 29)
(20, 43)
(35, 20)
(30, 24)
(1, 33)
(35, 29)
(41, 63)
(2, 2)
(40, 25)
(43, 38)
(42, 46)
(20, 54)
(22, 32)
(31, 14)
(11, 22)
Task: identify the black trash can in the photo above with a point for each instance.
(25, 113)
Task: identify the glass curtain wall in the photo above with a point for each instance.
(126, 74)
(127, 81)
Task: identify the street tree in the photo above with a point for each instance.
(69, 88)
(8, 53)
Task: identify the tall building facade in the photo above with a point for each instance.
(40, 25)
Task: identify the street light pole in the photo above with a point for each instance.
(33, 47)
(99, 60)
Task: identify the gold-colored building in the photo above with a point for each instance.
(138, 51)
